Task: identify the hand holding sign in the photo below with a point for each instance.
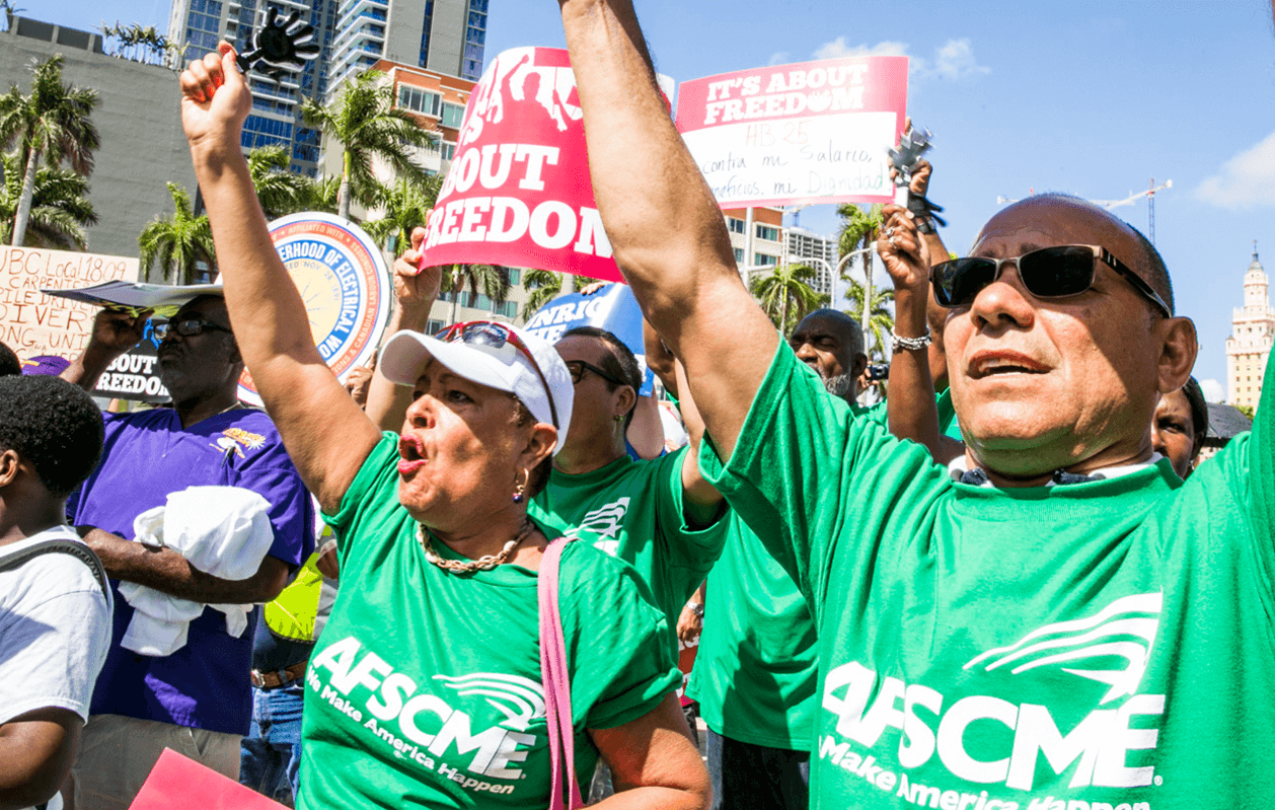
(215, 102)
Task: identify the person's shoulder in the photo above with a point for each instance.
(582, 562)
(49, 575)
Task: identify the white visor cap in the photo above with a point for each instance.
(484, 355)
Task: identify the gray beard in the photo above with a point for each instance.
(839, 386)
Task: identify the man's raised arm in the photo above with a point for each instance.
(325, 433)
(665, 227)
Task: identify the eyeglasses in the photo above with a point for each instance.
(1053, 272)
(497, 336)
(187, 327)
(579, 367)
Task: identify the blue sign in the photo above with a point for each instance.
(612, 308)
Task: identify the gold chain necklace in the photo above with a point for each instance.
(481, 564)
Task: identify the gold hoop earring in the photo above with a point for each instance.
(520, 492)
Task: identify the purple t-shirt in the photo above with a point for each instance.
(148, 455)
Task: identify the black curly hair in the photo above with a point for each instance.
(55, 426)
(9, 363)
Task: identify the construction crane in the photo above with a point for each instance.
(1152, 190)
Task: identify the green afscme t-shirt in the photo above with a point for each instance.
(633, 511)
(1080, 647)
(756, 670)
(425, 690)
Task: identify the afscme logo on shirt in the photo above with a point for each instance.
(606, 522)
(428, 724)
(1097, 749)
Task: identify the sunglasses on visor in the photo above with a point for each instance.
(497, 336)
(1053, 272)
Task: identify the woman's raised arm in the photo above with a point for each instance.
(326, 434)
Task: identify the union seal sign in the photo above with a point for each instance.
(344, 284)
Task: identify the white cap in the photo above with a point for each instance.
(495, 363)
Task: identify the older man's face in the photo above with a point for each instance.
(1040, 384)
(825, 345)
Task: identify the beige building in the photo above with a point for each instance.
(1248, 349)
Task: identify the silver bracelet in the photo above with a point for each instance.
(911, 344)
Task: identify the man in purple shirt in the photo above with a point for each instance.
(196, 700)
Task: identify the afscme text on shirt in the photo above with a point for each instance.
(360, 683)
(1099, 747)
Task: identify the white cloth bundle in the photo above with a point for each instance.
(223, 531)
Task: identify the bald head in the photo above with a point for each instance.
(831, 343)
(1142, 258)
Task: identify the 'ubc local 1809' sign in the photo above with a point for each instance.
(344, 284)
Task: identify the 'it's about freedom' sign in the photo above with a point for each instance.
(814, 132)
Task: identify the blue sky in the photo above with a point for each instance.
(1092, 98)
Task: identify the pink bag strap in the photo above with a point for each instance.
(557, 681)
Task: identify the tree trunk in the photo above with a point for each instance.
(783, 314)
(343, 193)
(24, 201)
(451, 318)
(867, 300)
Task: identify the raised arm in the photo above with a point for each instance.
(414, 292)
(911, 406)
(644, 178)
(115, 331)
(325, 433)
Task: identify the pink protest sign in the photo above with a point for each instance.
(518, 192)
(814, 132)
(179, 783)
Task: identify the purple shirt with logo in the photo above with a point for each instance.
(148, 455)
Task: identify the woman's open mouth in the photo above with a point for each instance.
(411, 455)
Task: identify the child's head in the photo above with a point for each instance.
(54, 426)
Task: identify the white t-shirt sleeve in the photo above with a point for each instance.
(55, 629)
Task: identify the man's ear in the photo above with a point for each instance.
(10, 462)
(1178, 348)
(626, 401)
(858, 366)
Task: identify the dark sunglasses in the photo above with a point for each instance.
(497, 336)
(579, 367)
(187, 327)
(1052, 272)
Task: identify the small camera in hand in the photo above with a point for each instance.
(878, 371)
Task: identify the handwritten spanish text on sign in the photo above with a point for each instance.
(34, 324)
(814, 132)
(518, 192)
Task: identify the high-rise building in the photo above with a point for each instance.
(803, 246)
(443, 36)
(1248, 349)
(276, 105)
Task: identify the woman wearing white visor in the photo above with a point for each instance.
(425, 688)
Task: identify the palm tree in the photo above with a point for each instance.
(368, 125)
(279, 191)
(406, 206)
(59, 209)
(542, 287)
(178, 242)
(9, 9)
(53, 124)
(880, 320)
(785, 294)
(492, 280)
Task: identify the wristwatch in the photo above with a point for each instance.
(696, 607)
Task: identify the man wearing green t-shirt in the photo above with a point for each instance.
(756, 671)
(1079, 630)
(658, 515)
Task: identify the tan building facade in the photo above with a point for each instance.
(1248, 349)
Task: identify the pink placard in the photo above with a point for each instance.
(813, 132)
(518, 192)
(179, 783)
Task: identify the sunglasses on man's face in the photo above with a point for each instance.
(579, 367)
(187, 327)
(1053, 272)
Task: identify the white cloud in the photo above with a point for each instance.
(779, 58)
(1244, 181)
(952, 61)
(1213, 391)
